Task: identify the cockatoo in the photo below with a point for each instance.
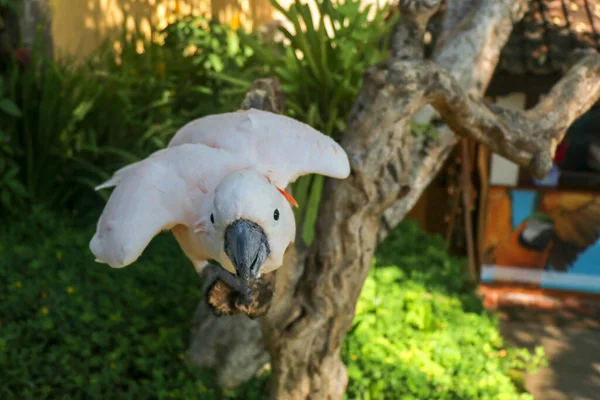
(219, 186)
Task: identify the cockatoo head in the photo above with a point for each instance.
(251, 223)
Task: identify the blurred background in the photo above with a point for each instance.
(454, 306)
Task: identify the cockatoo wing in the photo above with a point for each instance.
(285, 148)
(166, 189)
(576, 219)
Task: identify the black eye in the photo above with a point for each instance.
(276, 214)
(212, 218)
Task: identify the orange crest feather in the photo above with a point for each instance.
(289, 197)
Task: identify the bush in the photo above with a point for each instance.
(421, 333)
(71, 328)
(321, 67)
(66, 126)
(71, 125)
(322, 64)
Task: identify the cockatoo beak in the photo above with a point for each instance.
(247, 247)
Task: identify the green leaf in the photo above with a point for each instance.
(10, 108)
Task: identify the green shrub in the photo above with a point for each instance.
(66, 126)
(215, 50)
(80, 122)
(51, 101)
(420, 333)
(321, 71)
(10, 4)
(166, 86)
(12, 191)
(71, 328)
(322, 67)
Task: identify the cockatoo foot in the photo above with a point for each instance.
(226, 295)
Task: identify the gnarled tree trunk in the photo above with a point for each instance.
(317, 289)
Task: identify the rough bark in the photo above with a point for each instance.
(380, 146)
(473, 35)
(316, 290)
(322, 307)
(529, 138)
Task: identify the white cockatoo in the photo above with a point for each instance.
(219, 187)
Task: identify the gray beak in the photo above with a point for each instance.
(247, 247)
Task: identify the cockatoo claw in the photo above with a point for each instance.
(246, 297)
(213, 274)
(225, 294)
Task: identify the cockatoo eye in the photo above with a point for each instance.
(212, 219)
(276, 214)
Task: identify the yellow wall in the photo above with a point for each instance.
(79, 26)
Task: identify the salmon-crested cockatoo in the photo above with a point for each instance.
(219, 186)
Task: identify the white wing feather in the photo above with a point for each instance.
(169, 187)
(166, 189)
(285, 148)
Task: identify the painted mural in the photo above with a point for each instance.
(543, 238)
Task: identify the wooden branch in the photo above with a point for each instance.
(529, 138)
(320, 307)
(265, 94)
(470, 48)
(457, 13)
(469, 51)
(407, 38)
(305, 330)
(465, 189)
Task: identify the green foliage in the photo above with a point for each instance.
(70, 125)
(67, 126)
(71, 328)
(11, 4)
(424, 130)
(46, 136)
(12, 191)
(215, 56)
(209, 45)
(420, 333)
(321, 67)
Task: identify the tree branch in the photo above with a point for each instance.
(265, 94)
(529, 138)
(407, 37)
(469, 50)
